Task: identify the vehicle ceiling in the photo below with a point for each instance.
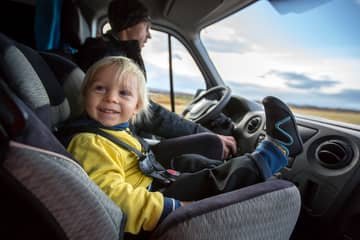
(177, 14)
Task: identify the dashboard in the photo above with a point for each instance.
(328, 169)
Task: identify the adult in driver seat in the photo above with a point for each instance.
(130, 24)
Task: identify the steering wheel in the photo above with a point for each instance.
(208, 104)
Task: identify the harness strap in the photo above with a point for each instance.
(147, 162)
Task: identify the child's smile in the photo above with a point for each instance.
(108, 111)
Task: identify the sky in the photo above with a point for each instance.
(305, 58)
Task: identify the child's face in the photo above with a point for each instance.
(108, 100)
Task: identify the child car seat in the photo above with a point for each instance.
(48, 195)
(74, 208)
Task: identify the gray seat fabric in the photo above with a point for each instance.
(265, 211)
(47, 83)
(70, 77)
(45, 86)
(81, 209)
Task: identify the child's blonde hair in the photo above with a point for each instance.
(125, 66)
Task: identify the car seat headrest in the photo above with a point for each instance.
(74, 28)
(34, 81)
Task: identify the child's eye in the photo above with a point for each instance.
(99, 89)
(124, 93)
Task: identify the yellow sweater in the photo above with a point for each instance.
(116, 171)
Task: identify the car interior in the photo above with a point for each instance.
(47, 195)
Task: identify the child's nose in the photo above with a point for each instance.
(112, 97)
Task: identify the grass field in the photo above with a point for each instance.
(332, 114)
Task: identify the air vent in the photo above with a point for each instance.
(253, 124)
(334, 154)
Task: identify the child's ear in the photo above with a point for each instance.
(137, 109)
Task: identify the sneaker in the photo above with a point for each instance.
(281, 126)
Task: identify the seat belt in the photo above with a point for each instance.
(147, 162)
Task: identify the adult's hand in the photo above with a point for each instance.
(229, 145)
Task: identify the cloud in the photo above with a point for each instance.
(357, 2)
(159, 79)
(346, 99)
(157, 43)
(352, 95)
(226, 39)
(228, 46)
(177, 56)
(301, 80)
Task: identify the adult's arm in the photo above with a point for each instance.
(164, 123)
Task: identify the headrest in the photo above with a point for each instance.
(31, 79)
(74, 28)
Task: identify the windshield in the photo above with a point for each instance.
(309, 57)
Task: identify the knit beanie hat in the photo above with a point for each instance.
(126, 13)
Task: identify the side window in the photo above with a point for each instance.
(187, 78)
